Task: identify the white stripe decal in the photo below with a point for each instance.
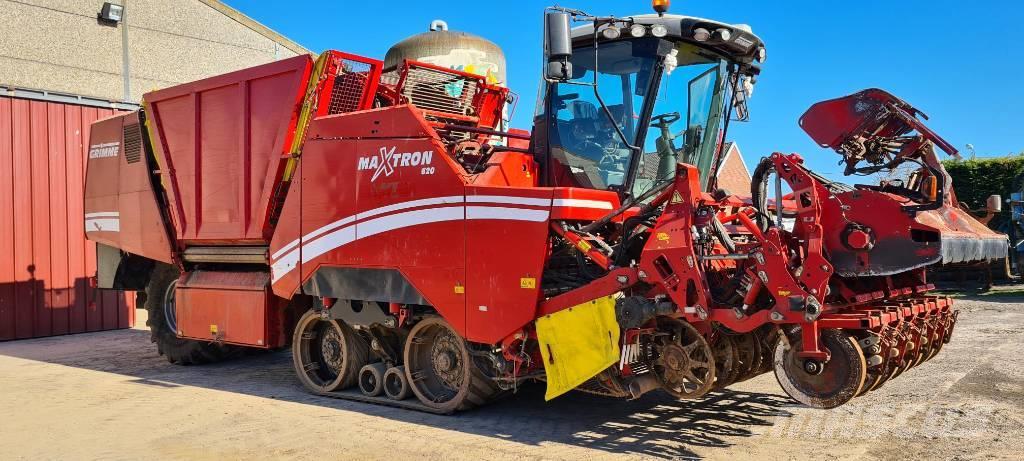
(284, 265)
(514, 214)
(349, 234)
(285, 249)
(406, 219)
(323, 230)
(105, 214)
(581, 203)
(353, 232)
(338, 238)
(366, 214)
(411, 204)
(103, 225)
(506, 199)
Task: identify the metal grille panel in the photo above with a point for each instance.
(132, 142)
(440, 91)
(349, 86)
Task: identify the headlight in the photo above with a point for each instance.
(611, 33)
(637, 31)
(762, 54)
(723, 34)
(701, 34)
(659, 30)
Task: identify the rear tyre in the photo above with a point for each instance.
(159, 302)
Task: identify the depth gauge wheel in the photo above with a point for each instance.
(163, 326)
(682, 360)
(725, 361)
(822, 385)
(748, 347)
(440, 369)
(327, 354)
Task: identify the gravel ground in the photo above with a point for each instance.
(109, 396)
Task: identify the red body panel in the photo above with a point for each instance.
(372, 198)
(121, 209)
(233, 307)
(221, 144)
(47, 262)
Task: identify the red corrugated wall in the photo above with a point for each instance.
(45, 261)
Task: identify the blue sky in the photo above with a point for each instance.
(959, 62)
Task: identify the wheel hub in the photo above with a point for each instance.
(445, 361)
(170, 312)
(813, 367)
(675, 358)
(330, 348)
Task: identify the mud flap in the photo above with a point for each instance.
(578, 343)
(975, 248)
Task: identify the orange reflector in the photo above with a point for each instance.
(660, 6)
(929, 187)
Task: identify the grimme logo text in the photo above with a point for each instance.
(387, 160)
(109, 149)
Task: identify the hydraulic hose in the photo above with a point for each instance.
(759, 192)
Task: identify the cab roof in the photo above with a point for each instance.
(741, 45)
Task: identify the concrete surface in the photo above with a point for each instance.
(109, 396)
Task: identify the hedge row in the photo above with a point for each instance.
(975, 180)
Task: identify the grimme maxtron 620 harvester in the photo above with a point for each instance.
(387, 225)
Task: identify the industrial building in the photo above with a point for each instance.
(63, 65)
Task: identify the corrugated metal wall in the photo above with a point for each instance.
(45, 261)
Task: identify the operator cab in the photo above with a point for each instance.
(637, 95)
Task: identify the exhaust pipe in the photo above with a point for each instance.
(643, 384)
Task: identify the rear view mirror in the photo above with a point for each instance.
(557, 46)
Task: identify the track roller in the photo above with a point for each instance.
(396, 386)
(822, 385)
(327, 354)
(371, 379)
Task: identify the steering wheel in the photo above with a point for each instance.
(665, 120)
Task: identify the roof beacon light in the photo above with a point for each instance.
(661, 6)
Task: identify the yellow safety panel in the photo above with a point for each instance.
(578, 343)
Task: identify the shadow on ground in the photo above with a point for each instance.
(655, 425)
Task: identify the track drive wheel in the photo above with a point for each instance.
(838, 381)
(440, 369)
(162, 322)
(682, 360)
(327, 354)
